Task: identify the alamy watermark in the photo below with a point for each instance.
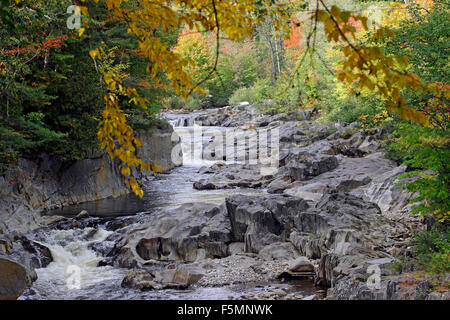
(73, 281)
(74, 20)
(374, 281)
(230, 145)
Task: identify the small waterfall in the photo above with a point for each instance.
(182, 122)
(74, 268)
(194, 142)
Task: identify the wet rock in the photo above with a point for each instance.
(13, 279)
(178, 278)
(82, 215)
(104, 248)
(41, 255)
(54, 220)
(138, 279)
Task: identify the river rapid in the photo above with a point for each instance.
(74, 272)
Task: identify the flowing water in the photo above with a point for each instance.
(74, 274)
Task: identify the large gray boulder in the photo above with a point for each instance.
(305, 167)
(186, 233)
(259, 221)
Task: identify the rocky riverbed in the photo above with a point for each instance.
(326, 222)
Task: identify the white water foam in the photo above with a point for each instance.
(74, 260)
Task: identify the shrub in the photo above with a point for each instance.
(426, 151)
(432, 249)
(173, 102)
(351, 108)
(259, 92)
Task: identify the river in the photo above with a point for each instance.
(72, 249)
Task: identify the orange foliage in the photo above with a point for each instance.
(295, 37)
(49, 44)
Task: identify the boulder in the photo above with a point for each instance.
(279, 185)
(185, 233)
(311, 297)
(236, 248)
(138, 279)
(370, 178)
(260, 221)
(301, 264)
(300, 268)
(402, 287)
(82, 215)
(157, 147)
(40, 257)
(178, 278)
(281, 251)
(13, 279)
(369, 145)
(306, 167)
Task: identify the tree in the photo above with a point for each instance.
(365, 64)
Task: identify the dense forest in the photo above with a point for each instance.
(66, 88)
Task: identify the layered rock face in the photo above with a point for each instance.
(313, 159)
(340, 222)
(187, 233)
(341, 232)
(157, 145)
(260, 221)
(46, 183)
(348, 209)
